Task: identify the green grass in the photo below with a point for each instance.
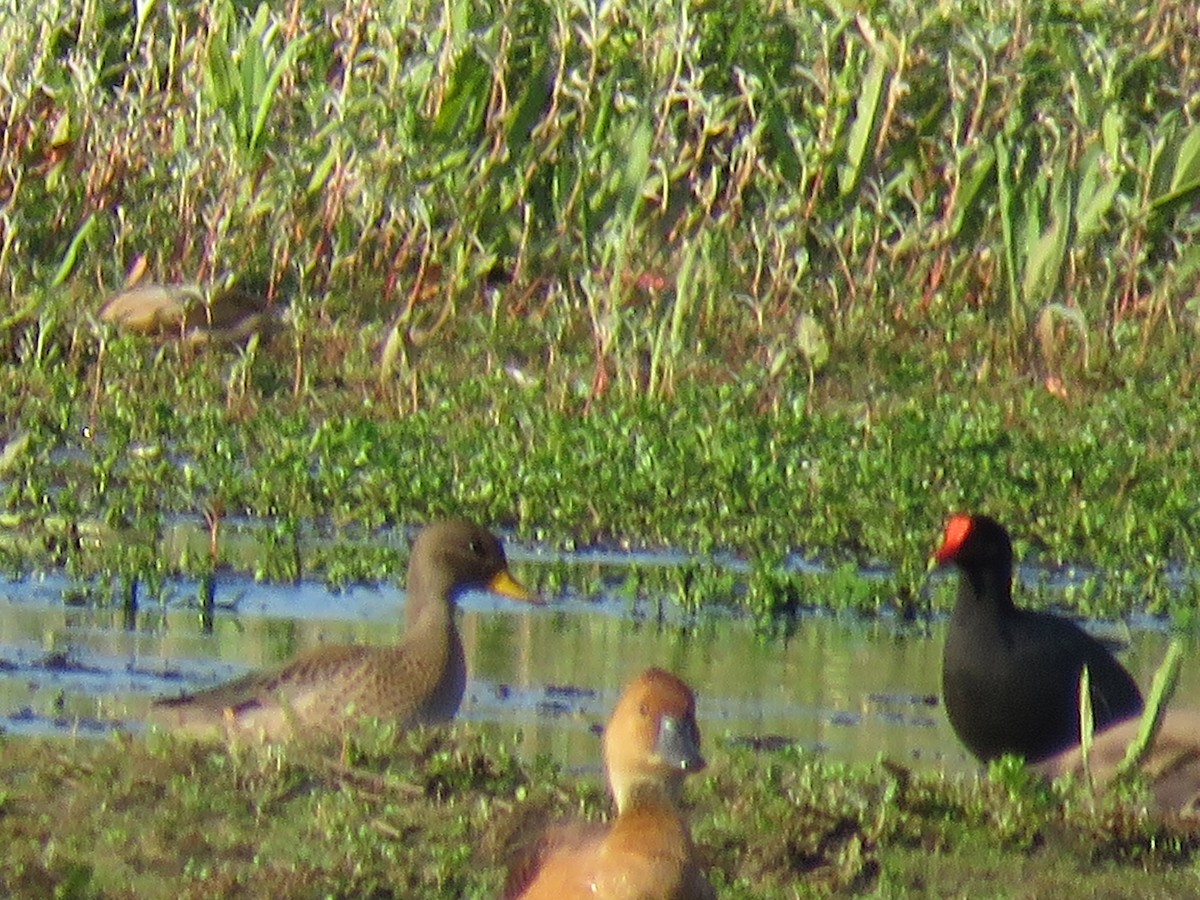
(748, 276)
(428, 815)
(862, 483)
(759, 277)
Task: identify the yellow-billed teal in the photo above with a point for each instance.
(419, 680)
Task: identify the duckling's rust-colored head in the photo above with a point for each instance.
(652, 737)
(650, 744)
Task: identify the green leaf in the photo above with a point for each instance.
(1087, 723)
(637, 166)
(461, 115)
(530, 106)
(980, 171)
(1007, 193)
(1044, 263)
(866, 120)
(67, 265)
(1111, 131)
(1098, 188)
(1183, 182)
(264, 101)
(220, 73)
(1186, 173)
(321, 170)
(1166, 679)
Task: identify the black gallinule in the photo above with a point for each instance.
(1010, 677)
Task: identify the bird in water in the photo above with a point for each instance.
(324, 689)
(1010, 676)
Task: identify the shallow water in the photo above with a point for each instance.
(840, 687)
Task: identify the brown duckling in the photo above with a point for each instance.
(651, 744)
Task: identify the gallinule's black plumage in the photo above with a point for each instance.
(1010, 677)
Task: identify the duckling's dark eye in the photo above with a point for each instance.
(476, 547)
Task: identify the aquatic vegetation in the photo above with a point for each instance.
(750, 279)
(703, 473)
(744, 280)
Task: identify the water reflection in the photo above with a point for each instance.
(848, 690)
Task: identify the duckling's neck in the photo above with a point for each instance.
(650, 823)
(632, 789)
